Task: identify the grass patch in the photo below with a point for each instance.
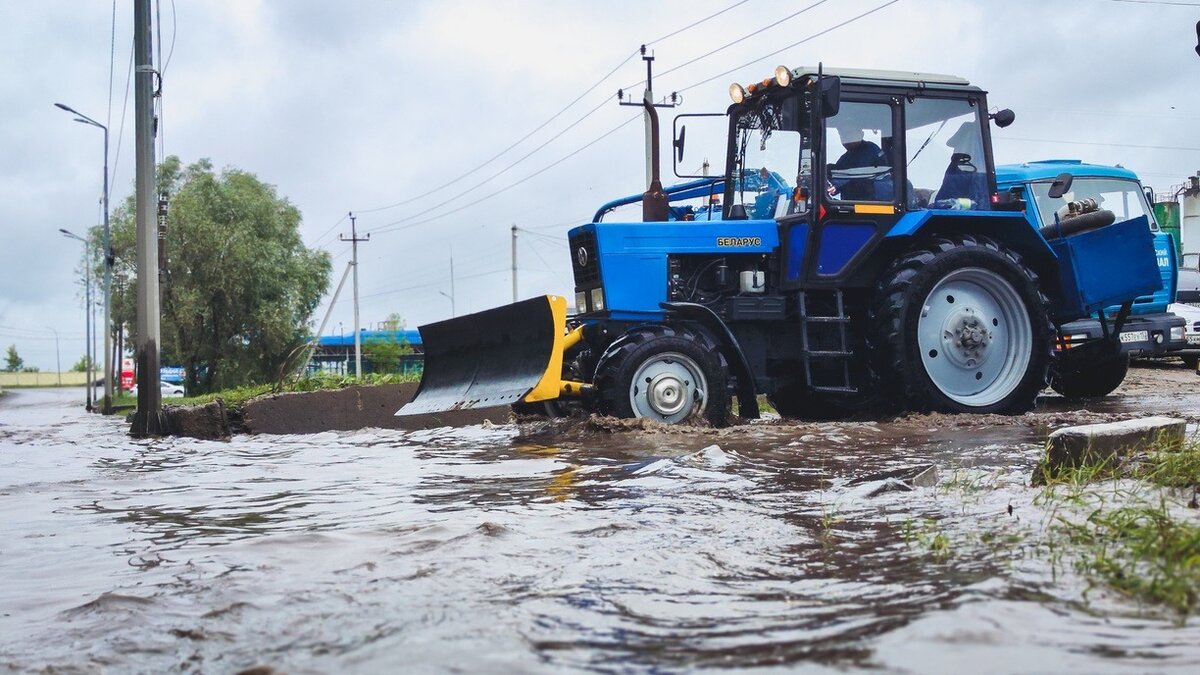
(1142, 551)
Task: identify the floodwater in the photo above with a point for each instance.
(491, 549)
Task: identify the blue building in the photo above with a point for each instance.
(334, 354)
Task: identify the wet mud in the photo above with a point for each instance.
(877, 545)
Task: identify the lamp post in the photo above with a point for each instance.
(449, 297)
(87, 309)
(106, 404)
(57, 357)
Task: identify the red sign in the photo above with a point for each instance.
(127, 374)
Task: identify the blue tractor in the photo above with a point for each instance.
(854, 253)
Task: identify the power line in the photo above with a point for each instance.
(794, 44)
(553, 117)
(1114, 145)
(513, 185)
(745, 37)
(541, 126)
(504, 170)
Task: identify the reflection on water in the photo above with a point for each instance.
(486, 550)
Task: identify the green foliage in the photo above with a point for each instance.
(238, 396)
(13, 362)
(1143, 551)
(240, 287)
(81, 365)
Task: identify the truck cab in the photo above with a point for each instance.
(1150, 329)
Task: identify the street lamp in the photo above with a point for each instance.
(449, 297)
(87, 310)
(106, 406)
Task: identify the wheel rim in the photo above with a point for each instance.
(975, 337)
(668, 387)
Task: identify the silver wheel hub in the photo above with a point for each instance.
(668, 387)
(975, 336)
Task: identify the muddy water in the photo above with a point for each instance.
(508, 549)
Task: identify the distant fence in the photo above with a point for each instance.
(71, 379)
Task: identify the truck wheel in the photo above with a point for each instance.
(962, 327)
(663, 373)
(1088, 378)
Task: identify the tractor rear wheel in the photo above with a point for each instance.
(1088, 378)
(664, 373)
(961, 326)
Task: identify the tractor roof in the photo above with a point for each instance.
(894, 77)
(1048, 169)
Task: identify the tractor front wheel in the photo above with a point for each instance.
(961, 326)
(663, 373)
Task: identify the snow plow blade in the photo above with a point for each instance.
(492, 358)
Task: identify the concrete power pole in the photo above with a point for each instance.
(354, 239)
(148, 421)
(514, 261)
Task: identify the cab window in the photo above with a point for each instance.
(946, 164)
(859, 153)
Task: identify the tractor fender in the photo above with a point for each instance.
(1012, 229)
(730, 349)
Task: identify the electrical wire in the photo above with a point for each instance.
(511, 186)
(814, 36)
(1114, 145)
(609, 74)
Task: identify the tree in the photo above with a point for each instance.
(240, 286)
(13, 362)
(81, 365)
(386, 353)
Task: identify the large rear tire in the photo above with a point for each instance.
(961, 326)
(664, 373)
(1088, 378)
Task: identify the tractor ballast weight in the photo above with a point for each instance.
(888, 272)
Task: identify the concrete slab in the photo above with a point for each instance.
(1107, 444)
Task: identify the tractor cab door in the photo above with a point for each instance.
(857, 176)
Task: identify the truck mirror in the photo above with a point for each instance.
(1003, 118)
(1060, 186)
(831, 94)
(1149, 192)
(679, 144)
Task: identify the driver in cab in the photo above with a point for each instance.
(860, 153)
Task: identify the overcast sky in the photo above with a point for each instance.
(357, 105)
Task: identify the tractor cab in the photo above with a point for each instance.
(854, 151)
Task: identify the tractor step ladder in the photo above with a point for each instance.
(841, 352)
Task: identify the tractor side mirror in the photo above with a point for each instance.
(678, 143)
(1003, 118)
(1060, 186)
(831, 94)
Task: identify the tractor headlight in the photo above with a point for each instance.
(737, 92)
(1176, 333)
(783, 76)
(580, 301)
(597, 299)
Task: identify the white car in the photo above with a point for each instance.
(167, 390)
(1187, 306)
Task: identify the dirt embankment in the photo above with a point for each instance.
(356, 407)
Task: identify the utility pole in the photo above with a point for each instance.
(148, 421)
(453, 309)
(354, 239)
(648, 100)
(514, 261)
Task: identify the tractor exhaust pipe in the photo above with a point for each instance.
(654, 200)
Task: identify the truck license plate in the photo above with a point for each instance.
(1193, 339)
(1135, 336)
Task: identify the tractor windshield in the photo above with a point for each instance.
(773, 157)
(947, 167)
